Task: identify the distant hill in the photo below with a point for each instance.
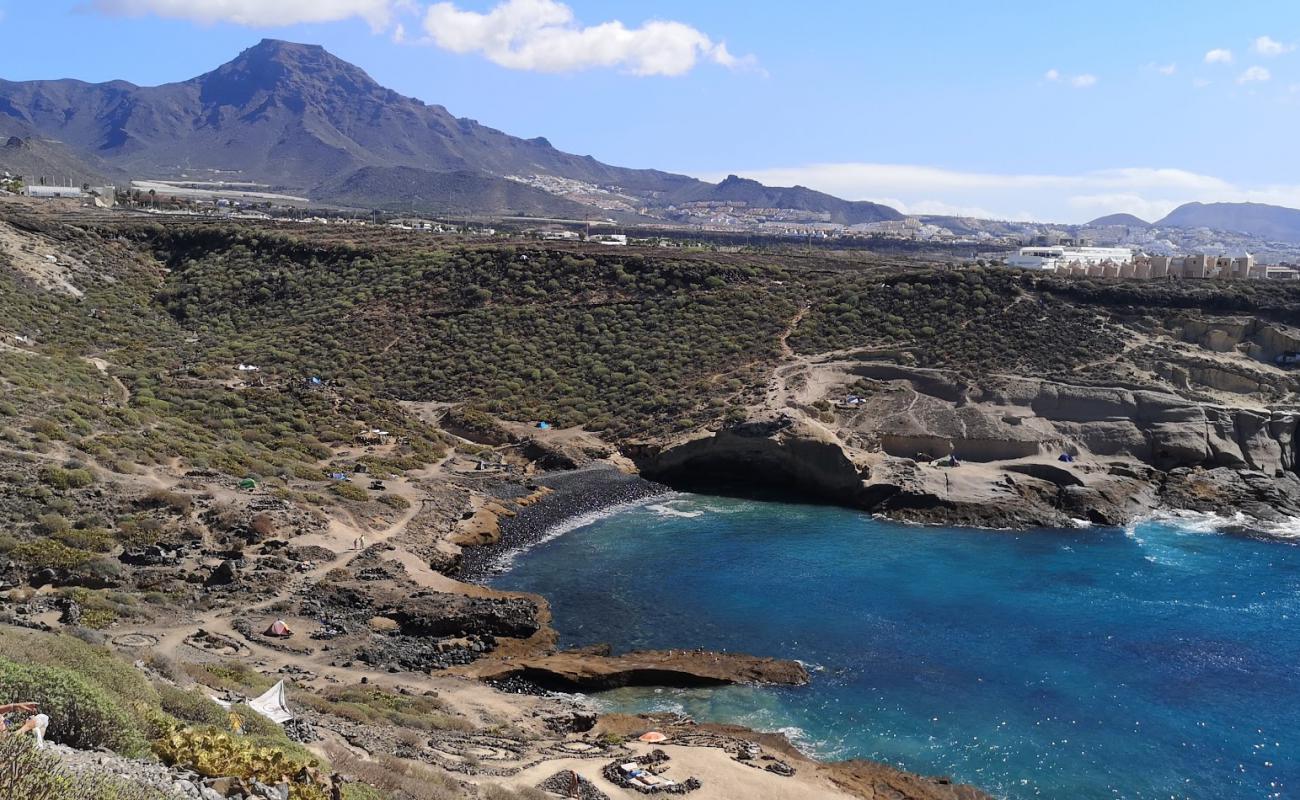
(24, 152)
(450, 193)
(301, 120)
(1275, 223)
(1125, 220)
(798, 198)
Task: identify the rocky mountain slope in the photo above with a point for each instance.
(298, 118)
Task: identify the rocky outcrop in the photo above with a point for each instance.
(776, 452)
(441, 614)
(590, 671)
(1260, 339)
(1007, 432)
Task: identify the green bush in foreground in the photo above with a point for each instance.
(101, 668)
(81, 714)
(30, 774)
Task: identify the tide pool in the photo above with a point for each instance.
(1158, 662)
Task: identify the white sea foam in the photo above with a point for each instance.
(1202, 522)
(667, 510)
(506, 560)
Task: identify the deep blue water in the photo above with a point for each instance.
(1159, 662)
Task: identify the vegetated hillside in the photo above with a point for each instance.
(753, 194)
(1124, 220)
(160, 397)
(451, 193)
(973, 320)
(1275, 223)
(625, 343)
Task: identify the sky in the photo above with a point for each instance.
(1018, 109)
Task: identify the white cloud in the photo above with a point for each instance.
(1254, 75)
(1149, 193)
(1165, 69)
(254, 13)
(544, 36)
(1200, 83)
(1268, 46)
(1077, 81)
(1218, 55)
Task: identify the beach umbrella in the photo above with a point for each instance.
(653, 737)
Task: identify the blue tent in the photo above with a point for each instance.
(545, 426)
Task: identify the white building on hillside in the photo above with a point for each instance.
(53, 191)
(1058, 257)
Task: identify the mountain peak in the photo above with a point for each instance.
(274, 66)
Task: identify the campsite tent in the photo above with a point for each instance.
(279, 629)
(248, 483)
(270, 704)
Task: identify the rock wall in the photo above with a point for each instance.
(1257, 338)
(1124, 440)
(779, 452)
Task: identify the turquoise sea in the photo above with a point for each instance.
(1161, 661)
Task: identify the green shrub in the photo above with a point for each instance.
(360, 791)
(41, 553)
(95, 540)
(81, 715)
(255, 725)
(349, 491)
(192, 706)
(216, 753)
(395, 501)
(60, 478)
(229, 676)
(125, 686)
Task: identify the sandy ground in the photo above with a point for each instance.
(28, 253)
(723, 777)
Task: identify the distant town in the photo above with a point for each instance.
(1138, 252)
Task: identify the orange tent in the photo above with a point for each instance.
(279, 630)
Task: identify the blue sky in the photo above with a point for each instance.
(1058, 111)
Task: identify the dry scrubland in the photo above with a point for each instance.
(126, 431)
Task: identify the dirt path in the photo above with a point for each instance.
(123, 393)
(790, 328)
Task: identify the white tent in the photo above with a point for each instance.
(270, 704)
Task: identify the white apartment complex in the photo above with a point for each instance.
(1122, 262)
(1060, 258)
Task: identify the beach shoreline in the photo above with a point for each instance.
(572, 496)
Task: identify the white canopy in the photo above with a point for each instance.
(270, 704)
